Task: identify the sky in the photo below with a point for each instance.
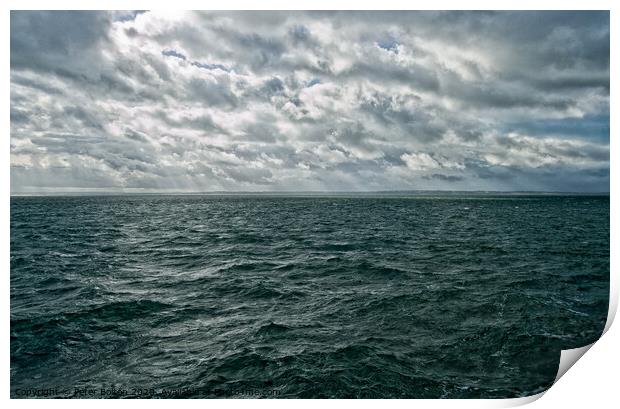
(309, 101)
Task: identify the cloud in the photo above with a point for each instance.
(58, 41)
(201, 101)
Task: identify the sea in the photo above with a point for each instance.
(302, 296)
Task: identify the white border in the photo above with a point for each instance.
(592, 382)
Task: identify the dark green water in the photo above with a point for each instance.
(214, 296)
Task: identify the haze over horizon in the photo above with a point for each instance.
(309, 101)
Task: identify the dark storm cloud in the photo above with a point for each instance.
(448, 178)
(300, 34)
(57, 41)
(416, 76)
(35, 83)
(586, 127)
(310, 100)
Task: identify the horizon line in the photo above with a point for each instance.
(300, 192)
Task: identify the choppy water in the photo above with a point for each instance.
(207, 296)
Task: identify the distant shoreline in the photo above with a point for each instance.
(386, 193)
